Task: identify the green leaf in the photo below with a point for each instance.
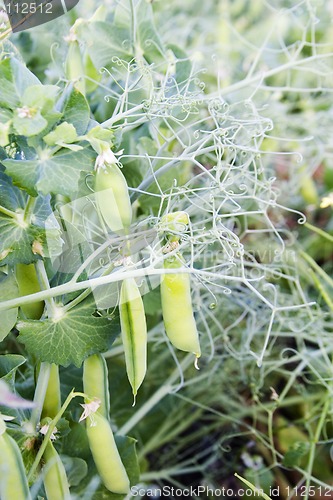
(10, 196)
(183, 68)
(40, 96)
(58, 174)
(8, 290)
(127, 451)
(29, 125)
(17, 235)
(152, 302)
(150, 41)
(293, 456)
(76, 444)
(65, 133)
(14, 80)
(16, 241)
(9, 363)
(105, 42)
(76, 469)
(77, 111)
(71, 338)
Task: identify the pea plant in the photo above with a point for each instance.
(164, 250)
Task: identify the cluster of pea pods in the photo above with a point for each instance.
(114, 208)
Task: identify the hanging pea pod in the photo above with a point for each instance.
(133, 332)
(13, 481)
(174, 223)
(95, 382)
(177, 308)
(112, 197)
(106, 455)
(74, 66)
(55, 479)
(52, 400)
(28, 283)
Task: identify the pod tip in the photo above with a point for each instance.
(196, 366)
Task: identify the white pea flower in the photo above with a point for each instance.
(327, 201)
(89, 409)
(107, 157)
(24, 112)
(43, 430)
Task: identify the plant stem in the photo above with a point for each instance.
(314, 443)
(40, 391)
(104, 280)
(319, 231)
(8, 212)
(165, 389)
(45, 285)
(256, 490)
(29, 208)
(51, 428)
(321, 289)
(316, 268)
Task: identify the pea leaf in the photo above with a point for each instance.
(9, 363)
(29, 125)
(65, 132)
(76, 469)
(183, 68)
(152, 302)
(14, 80)
(150, 41)
(71, 338)
(18, 236)
(10, 196)
(8, 290)
(127, 451)
(295, 453)
(147, 35)
(58, 174)
(76, 111)
(104, 42)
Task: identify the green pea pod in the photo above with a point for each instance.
(112, 197)
(308, 190)
(133, 332)
(28, 283)
(96, 383)
(13, 481)
(52, 400)
(177, 309)
(74, 67)
(105, 454)
(55, 479)
(175, 222)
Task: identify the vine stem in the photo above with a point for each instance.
(29, 208)
(256, 490)
(45, 368)
(8, 212)
(40, 391)
(163, 391)
(50, 430)
(314, 443)
(319, 231)
(185, 156)
(105, 280)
